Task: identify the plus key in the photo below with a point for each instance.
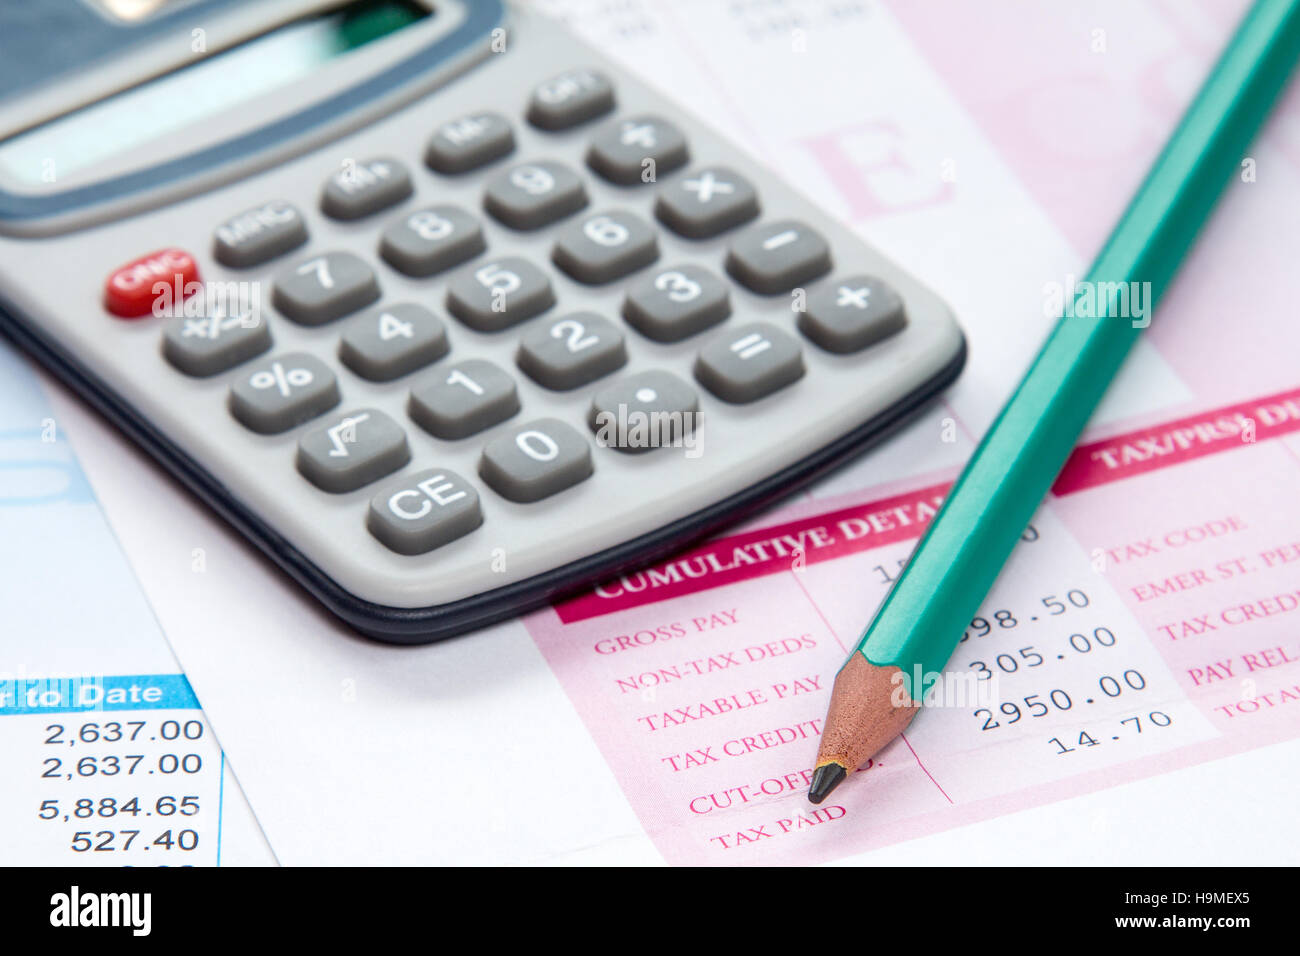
(851, 314)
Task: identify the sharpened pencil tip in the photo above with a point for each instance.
(825, 779)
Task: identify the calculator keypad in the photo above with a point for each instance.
(604, 247)
(461, 399)
(573, 350)
(423, 511)
(668, 304)
(427, 241)
(775, 257)
(389, 342)
(277, 394)
(707, 202)
(570, 98)
(324, 288)
(469, 142)
(638, 149)
(205, 345)
(532, 195)
(361, 189)
(259, 234)
(499, 293)
(851, 314)
(536, 460)
(353, 450)
(624, 412)
(139, 287)
(675, 303)
(749, 362)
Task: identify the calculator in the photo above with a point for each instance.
(444, 310)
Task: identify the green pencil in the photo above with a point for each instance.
(921, 620)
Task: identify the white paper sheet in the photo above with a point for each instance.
(485, 750)
(109, 759)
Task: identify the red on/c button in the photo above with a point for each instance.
(130, 290)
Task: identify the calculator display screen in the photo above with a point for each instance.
(172, 102)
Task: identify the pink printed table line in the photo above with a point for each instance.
(767, 551)
(705, 691)
(1209, 433)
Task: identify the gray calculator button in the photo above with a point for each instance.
(705, 202)
(359, 189)
(573, 97)
(259, 234)
(605, 247)
(536, 460)
(468, 142)
(573, 350)
(672, 304)
(775, 257)
(532, 195)
(324, 288)
(275, 395)
(430, 240)
(746, 363)
(852, 313)
(637, 149)
(423, 511)
(464, 398)
(499, 293)
(208, 344)
(648, 410)
(353, 450)
(389, 342)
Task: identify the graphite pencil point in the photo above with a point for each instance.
(825, 779)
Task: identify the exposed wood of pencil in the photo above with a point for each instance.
(869, 708)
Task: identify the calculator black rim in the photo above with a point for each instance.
(423, 625)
